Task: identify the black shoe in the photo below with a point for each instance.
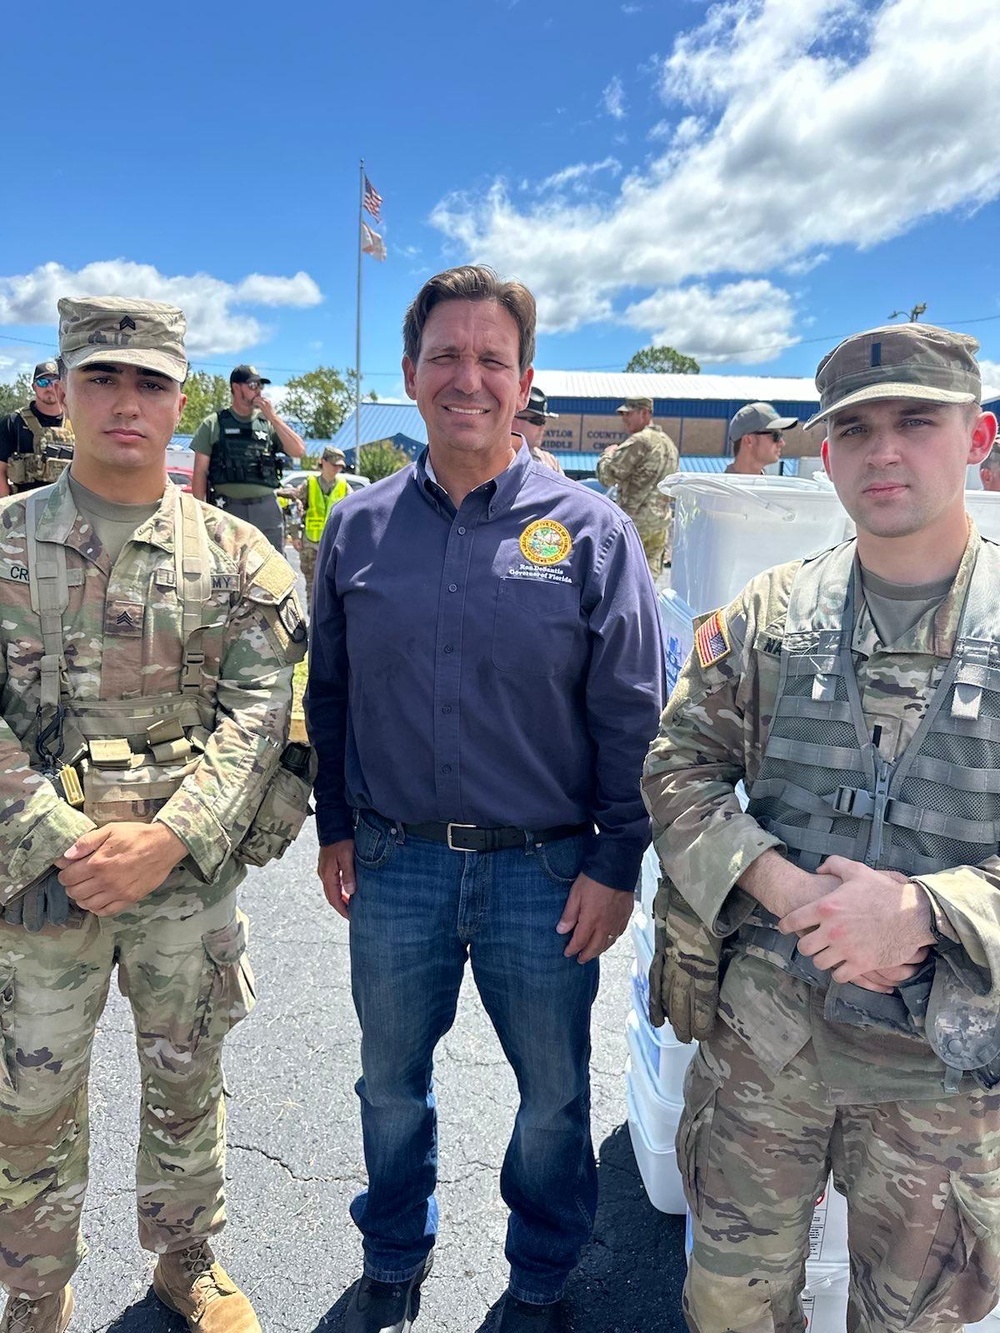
(385, 1307)
(521, 1317)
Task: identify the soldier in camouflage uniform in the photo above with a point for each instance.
(836, 946)
(636, 466)
(145, 685)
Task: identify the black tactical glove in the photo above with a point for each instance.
(44, 903)
(684, 977)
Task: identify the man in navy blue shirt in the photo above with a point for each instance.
(486, 673)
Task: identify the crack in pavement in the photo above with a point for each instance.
(280, 1161)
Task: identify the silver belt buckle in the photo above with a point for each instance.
(451, 845)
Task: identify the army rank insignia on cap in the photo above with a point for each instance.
(711, 640)
(545, 542)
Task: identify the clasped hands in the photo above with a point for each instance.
(113, 867)
(869, 927)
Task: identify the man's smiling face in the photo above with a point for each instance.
(466, 380)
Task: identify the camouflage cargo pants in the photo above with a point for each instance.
(654, 543)
(922, 1181)
(307, 563)
(187, 979)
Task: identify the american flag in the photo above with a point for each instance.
(372, 200)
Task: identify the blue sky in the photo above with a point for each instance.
(748, 181)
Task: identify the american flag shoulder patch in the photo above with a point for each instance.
(711, 640)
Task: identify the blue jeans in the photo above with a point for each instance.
(419, 910)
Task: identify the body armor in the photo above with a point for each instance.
(318, 505)
(244, 453)
(824, 789)
(122, 759)
(51, 452)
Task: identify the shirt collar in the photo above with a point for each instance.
(501, 491)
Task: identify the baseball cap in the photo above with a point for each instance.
(243, 373)
(918, 361)
(537, 409)
(45, 368)
(756, 418)
(635, 405)
(149, 334)
(332, 455)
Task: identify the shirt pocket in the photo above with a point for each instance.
(538, 629)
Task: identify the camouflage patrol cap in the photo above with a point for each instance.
(635, 405)
(333, 455)
(758, 419)
(117, 328)
(917, 361)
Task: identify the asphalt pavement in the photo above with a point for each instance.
(295, 1158)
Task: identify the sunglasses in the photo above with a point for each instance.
(775, 435)
(45, 381)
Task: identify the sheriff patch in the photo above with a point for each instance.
(711, 640)
(545, 542)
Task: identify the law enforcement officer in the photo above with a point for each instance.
(852, 913)
(635, 467)
(316, 496)
(485, 670)
(531, 423)
(36, 442)
(146, 652)
(237, 455)
(989, 470)
(755, 437)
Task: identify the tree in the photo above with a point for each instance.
(320, 400)
(205, 393)
(18, 394)
(381, 459)
(666, 359)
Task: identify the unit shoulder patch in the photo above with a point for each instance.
(711, 640)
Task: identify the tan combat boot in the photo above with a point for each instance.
(193, 1285)
(38, 1314)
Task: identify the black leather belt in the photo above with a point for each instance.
(472, 838)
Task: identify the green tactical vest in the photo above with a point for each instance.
(244, 453)
(51, 452)
(319, 503)
(823, 788)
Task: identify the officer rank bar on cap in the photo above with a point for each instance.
(711, 640)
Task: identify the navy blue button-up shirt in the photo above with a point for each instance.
(468, 667)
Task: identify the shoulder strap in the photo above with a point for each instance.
(48, 587)
(194, 581)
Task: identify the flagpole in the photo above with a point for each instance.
(357, 340)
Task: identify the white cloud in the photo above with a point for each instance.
(747, 320)
(613, 99)
(793, 126)
(990, 371)
(216, 324)
(580, 173)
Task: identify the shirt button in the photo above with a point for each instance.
(453, 587)
(461, 532)
(446, 768)
(446, 708)
(449, 648)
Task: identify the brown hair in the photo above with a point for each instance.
(472, 282)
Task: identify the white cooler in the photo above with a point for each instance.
(677, 624)
(984, 506)
(727, 529)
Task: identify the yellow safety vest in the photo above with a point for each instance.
(319, 503)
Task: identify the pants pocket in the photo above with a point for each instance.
(229, 993)
(7, 993)
(961, 1276)
(694, 1134)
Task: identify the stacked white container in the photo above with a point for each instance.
(654, 1073)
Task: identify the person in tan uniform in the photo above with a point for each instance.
(835, 946)
(531, 424)
(636, 466)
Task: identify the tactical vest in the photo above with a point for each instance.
(51, 452)
(122, 759)
(319, 503)
(824, 789)
(244, 453)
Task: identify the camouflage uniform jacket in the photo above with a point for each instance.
(635, 466)
(122, 642)
(713, 734)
